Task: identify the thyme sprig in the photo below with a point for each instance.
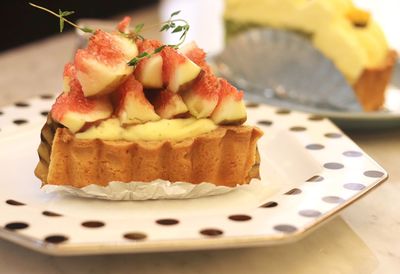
(176, 25)
(61, 15)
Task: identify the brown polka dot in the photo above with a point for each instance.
(44, 113)
(55, 239)
(269, 204)
(167, 222)
(93, 224)
(135, 236)
(309, 213)
(21, 104)
(1, 113)
(315, 178)
(240, 218)
(333, 166)
(16, 226)
(212, 232)
(20, 121)
(264, 123)
(285, 228)
(333, 135)
(314, 146)
(283, 111)
(333, 199)
(14, 203)
(252, 105)
(293, 191)
(352, 153)
(316, 118)
(46, 96)
(297, 128)
(354, 186)
(374, 173)
(51, 214)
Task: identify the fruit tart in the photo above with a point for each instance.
(344, 33)
(165, 116)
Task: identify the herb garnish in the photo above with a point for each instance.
(62, 15)
(176, 25)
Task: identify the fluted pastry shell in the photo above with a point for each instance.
(226, 156)
(371, 85)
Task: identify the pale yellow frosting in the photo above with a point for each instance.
(174, 129)
(351, 48)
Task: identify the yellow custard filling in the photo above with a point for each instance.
(173, 129)
(331, 23)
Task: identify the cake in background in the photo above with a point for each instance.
(347, 35)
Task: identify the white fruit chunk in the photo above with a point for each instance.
(73, 110)
(133, 106)
(230, 108)
(149, 72)
(183, 74)
(102, 66)
(202, 98)
(169, 104)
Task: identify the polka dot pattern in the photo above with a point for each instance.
(333, 165)
(315, 178)
(282, 213)
(333, 135)
(252, 105)
(167, 222)
(285, 228)
(93, 224)
(55, 239)
(352, 153)
(265, 123)
(21, 104)
(51, 214)
(240, 218)
(309, 213)
(297, 128)
(20, 121)
(211, 232)
(14, 203)
(354, 186)
(269, 204)
(333, 199)
(135, 236)
(283, 111)
(373, 173)
(293, 191)
(314, 147)
(316, 118)
(16, 226)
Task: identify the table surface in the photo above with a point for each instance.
(365, 238)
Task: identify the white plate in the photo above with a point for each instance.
(309, 170)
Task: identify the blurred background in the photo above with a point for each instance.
(21, 24)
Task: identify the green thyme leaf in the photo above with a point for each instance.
(86, 29)
(175, 13)
(139, 27)
(159, 49)
(164, 27)
(177, 29)
(61, 15)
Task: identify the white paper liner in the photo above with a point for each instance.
(158, 189)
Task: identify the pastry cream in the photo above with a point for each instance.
(175, 129)
(352, 47)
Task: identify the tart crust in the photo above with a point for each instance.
(225, 156)
(371, 86)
